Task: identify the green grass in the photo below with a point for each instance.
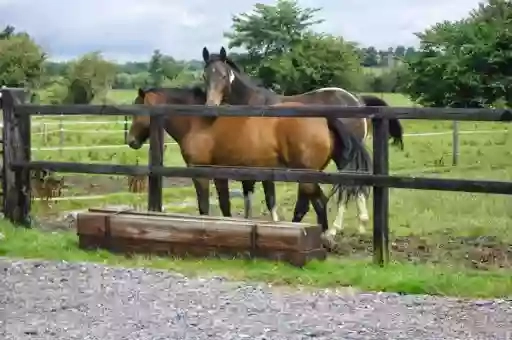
(396, 277)
(438, 238)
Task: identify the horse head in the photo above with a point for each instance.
(139, 129)
(219, 75)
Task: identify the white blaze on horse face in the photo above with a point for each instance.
(231, 76)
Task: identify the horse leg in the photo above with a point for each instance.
(202, 186)
(248, 189)
(319, 202)
(221, 185)
(270, 198)
(362, 212)
(301, 207)
(337, 225)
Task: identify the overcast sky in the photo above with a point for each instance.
(132, 29)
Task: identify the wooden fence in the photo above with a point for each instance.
(18, 162)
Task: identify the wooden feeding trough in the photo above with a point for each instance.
(202, 236)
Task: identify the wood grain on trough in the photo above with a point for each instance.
(135, 232)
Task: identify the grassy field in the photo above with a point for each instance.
(465, 232)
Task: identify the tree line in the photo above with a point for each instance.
(458, 63)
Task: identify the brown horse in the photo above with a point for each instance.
(297, 142)
(178, 127)
(226, 83)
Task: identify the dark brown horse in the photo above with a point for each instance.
(178, 127)
(226, 83)
(307, 139)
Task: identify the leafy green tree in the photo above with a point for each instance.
(316, 61)
(400, 51)
(123, 81)
(370, 57)
(156, 68)
(270, 30)
(55, 69)
(7, 32)
(88, 77)
(284, 53)
(465, 63)
(410, 52)
(141, 79)
(21, 59)
(133, 67)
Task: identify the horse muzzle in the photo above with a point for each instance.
(134, 144)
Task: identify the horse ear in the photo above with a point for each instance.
(141, 92)
(206, 54)
(223, 54)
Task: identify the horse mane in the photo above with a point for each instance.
(372, 100)
(196, 89)
(254, 83)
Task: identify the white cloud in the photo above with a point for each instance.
(132, 29)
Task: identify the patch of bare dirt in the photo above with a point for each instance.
(483, 252)
(78, 185)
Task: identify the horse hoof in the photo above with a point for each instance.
(329, 242)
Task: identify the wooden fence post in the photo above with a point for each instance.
(455, 143)
(380, 194)
(156, 156)
(16, 137)
(125, 129)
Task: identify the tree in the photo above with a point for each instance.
(410, 52)
(400, 51)
(370, 58)
(21, 59)
(270, 30)
(315, 61)
(284, 53)
(156, 68)
(141, 79)
(465, 63)
(88, 77)
(7, 32)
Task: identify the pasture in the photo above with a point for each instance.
(468, 231)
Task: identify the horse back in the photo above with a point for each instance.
(358, 126)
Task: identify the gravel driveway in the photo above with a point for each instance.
(48, 300)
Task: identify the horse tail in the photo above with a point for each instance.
(350, 155)
(396, 130)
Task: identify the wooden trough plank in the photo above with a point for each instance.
(311, 234)
(131, 246)
(193, 235)
(205, 217)
(194, 230)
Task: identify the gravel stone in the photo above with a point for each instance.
(60, 300)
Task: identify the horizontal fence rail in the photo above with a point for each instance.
(503, 115)
(278, 175)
